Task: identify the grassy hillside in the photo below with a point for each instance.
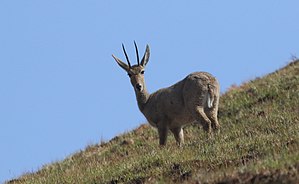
(258, 143)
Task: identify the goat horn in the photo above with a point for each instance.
(138, 61)
(126, 55)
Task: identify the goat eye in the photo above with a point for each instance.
(142, 72)
(130, 75)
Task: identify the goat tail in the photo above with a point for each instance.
(210, 99)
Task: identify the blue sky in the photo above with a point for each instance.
(60, 89)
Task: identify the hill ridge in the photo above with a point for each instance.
(258, 143)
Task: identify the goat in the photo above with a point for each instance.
(193, 99)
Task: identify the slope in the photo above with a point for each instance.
(258, 143)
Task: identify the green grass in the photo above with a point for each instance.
(258, 143)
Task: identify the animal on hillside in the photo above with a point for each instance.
(193, 99)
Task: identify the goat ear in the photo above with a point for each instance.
(121, 64)
(146, 56)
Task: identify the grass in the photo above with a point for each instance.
(258, 143)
